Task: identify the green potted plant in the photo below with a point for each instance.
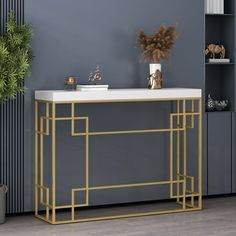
(15, 58)
(15, 61)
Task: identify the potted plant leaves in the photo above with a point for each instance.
(15, 61)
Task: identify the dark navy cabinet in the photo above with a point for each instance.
(219, 153)
(233, 153)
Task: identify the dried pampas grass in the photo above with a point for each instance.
(157, 47)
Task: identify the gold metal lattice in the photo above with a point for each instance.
(182, 186)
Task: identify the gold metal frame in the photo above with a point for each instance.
(182, 185)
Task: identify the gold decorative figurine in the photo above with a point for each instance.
(155, 80)
(96, 77)
(70, 83)
(214, 49)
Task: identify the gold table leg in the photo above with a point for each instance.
(36, 159)
(180, 179)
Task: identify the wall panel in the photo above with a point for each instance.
(12, 128)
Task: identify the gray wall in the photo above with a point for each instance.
(71, 38)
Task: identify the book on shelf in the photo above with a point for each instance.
(222, 7)
(211, 6)
(207, 7)
(219, 7)
(214, 6)
(218, 60)
(209, 3)
(92, 87)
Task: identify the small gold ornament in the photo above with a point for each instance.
(70, 83)
(214, 49)
(155, 80)
(95, 78)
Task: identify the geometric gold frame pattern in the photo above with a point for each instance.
(185, 189)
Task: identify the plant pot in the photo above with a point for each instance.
(155, 77)
(3, 191)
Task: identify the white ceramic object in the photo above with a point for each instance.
(117, 95)
(153, 67)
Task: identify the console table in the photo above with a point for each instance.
(185, 189)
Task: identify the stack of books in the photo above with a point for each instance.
(92, 87)
(219, 60)
(214, 6)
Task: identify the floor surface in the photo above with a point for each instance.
(217, 218)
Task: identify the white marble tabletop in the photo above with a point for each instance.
(135, 94)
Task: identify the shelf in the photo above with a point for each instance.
(218, 111)
(219, 63)
(221, 15)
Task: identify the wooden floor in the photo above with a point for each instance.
(217, 218)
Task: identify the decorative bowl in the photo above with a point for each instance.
(221, 105)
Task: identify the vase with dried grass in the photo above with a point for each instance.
(156, 48)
